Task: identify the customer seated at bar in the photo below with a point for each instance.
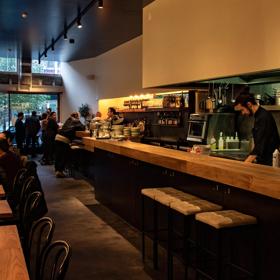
(9, 165)
(62, 142)
(265, 133)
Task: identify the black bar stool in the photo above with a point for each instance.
(158, 196)
(228, 226)
(187, 210)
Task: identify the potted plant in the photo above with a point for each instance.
(84, 111)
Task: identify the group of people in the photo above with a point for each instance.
(54, 140)
(35, 127)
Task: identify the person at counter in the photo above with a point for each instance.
(265, 133)
(62, 142)
(113, 117)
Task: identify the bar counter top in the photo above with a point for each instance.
(256, 178)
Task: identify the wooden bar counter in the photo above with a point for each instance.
(120, 169)
(260, 179)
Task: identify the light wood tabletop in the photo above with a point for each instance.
(2, 192)
(5, 210)
(12, 262)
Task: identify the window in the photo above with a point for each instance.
(4, 111)
(13, 103)
(8, 64)
(46, 67)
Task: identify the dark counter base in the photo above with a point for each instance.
(118, 181)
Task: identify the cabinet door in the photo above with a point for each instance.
(102, 177)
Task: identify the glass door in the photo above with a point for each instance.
(4, 111)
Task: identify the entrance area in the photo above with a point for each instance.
(13, 103)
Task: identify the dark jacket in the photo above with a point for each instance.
(266, 137)
(51, 129)
(9, 166)
(70, 127)
(32, 126)
(20, 130)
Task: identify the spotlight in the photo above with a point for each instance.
(100, 4)
(65, 32)
(79, 24)
(52, 45)
(24, 15)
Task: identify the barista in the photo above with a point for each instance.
(113, 117)
(265, 133)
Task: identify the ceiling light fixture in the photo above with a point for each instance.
(52, 45)
(79, 24)
(24, 15)
(65, 37)
(100, 4)
(75, 21)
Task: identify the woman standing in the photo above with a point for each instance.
(51, 131)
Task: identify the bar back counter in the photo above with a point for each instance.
(120, 170)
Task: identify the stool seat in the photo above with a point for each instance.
(225, 219)
(167, 195)
(75, 147)
(194, 206)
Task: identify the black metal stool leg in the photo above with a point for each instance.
(186, 234)
(155, 239)
(143, 228)
(170, 245)
(219, 260)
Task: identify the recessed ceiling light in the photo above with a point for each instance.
(24, 14)
(100, 4)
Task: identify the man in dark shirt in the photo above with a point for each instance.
(265, 133)
(32, 127)
(20, 131)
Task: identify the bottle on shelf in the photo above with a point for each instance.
(159, 118)
(182, 101)
(236, 140)
(213, 143)
(276, 158)
(227, 142)
(221, 141)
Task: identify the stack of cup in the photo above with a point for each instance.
(135, 131)
(127, 132)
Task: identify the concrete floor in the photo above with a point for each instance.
(103, 245)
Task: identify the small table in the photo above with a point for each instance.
(12, 262)
(5, 210)
(2, 192)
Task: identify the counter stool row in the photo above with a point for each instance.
(200, 213)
